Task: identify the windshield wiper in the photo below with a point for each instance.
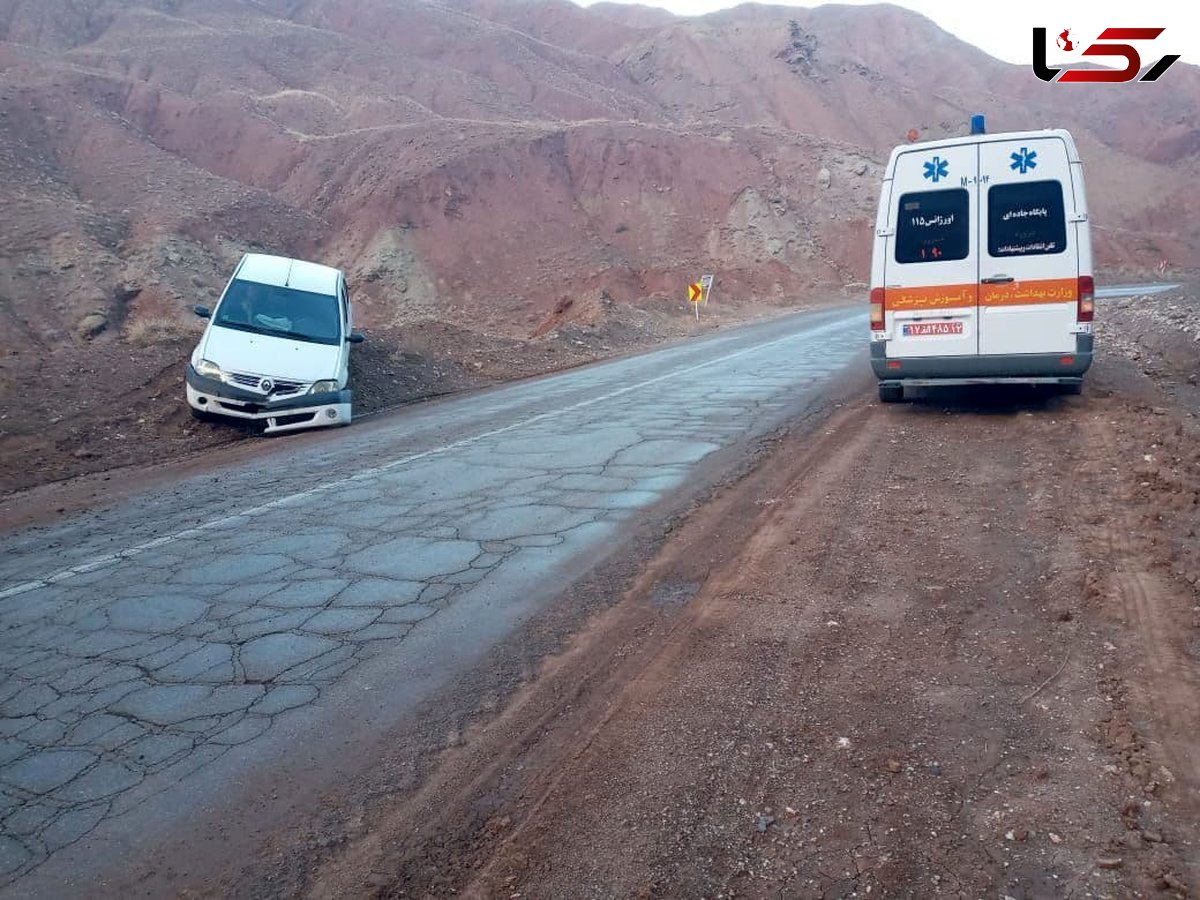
(276, 332)
(237, 326)
(312, 338)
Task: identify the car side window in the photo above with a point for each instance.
(932, 226)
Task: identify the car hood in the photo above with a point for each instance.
(261, 354)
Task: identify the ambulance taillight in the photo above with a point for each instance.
(1087, 299)
(877, 308)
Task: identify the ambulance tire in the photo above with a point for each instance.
(891, 393)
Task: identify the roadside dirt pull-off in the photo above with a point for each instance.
(944, 649)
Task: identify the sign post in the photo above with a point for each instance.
(706, 282)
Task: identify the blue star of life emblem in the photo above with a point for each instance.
(1025, 160)
(937, 169)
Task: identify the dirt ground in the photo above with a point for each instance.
(948, 648)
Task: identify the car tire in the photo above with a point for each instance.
(1072, 389)
(891, 393)
(201, 416)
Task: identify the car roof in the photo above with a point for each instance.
(280, 271)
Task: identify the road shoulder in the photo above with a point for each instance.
(939, 645)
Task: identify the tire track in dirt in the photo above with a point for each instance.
(1156, 742)
(1174, 695)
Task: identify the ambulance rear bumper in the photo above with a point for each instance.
(1022, 368)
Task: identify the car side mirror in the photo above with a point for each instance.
(355, 338)
(201, 311)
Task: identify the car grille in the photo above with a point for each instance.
(280, 387)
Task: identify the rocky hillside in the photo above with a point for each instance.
(478, 161)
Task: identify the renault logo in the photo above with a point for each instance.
(266, 384)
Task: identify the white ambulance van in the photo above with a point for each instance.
(982, 265)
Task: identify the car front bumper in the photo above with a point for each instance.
(285, 414)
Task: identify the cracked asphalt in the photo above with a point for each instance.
(157, 655)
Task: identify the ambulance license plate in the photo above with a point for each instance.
(922, 329)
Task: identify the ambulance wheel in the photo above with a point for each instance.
(891, 393)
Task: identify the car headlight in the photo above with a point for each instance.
(209, 370)
(323, 387)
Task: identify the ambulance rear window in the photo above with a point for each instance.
(1026, 219)
(932, 226)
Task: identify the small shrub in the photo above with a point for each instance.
(158, 330)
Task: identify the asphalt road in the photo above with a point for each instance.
(1113, 291)
(159, 656)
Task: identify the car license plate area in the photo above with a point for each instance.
(931, 329)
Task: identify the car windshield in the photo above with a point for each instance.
(280, 312)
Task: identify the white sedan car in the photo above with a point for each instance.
(276, 348)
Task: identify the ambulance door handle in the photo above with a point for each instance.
(999, 279)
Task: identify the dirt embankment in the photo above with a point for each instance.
(950, 648)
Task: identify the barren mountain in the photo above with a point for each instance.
(500, 164)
